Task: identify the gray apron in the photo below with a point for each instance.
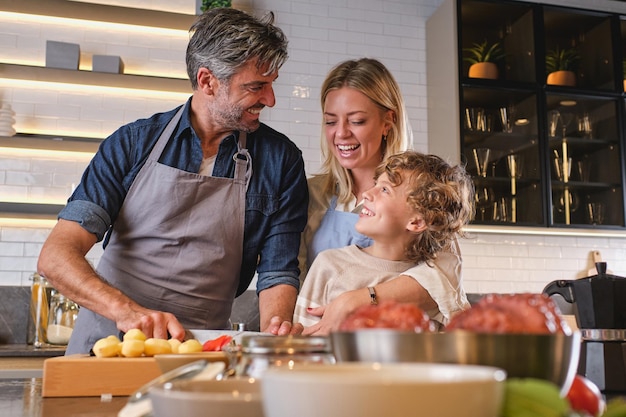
(176, 245)
(336, 230)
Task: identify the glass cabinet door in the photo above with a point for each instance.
(505, 27)
(585, 155)
(578, 49)
(542, 137)
(501, 147)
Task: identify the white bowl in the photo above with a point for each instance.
(238, 397)
(375, 389)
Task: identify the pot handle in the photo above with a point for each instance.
(561, 287)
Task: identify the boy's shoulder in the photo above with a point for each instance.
(342, 254)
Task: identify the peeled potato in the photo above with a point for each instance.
(135, 334)
(107, 347)
(154, 346)
(190, 346)
(132, 348)
(174, 344)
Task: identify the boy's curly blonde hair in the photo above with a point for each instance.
(441, 193)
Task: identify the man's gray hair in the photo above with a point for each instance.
(224, 39)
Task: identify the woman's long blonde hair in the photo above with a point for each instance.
(373, 79)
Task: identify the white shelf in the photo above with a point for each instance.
(99, 13)
(56, 75)
(51, 143)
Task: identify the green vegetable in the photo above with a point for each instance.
(615, 408)
(531, 397)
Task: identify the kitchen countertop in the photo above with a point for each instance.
(19, 350)
(25, 361)
(22, 398)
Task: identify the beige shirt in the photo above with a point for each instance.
(336, 271)
(443, 281)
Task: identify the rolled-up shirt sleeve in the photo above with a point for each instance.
(88, 215)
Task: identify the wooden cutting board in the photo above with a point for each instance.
(87, 376)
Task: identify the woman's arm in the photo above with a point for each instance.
(401, 289)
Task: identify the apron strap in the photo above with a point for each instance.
(243, 161)
(156, 152)
(332, 206)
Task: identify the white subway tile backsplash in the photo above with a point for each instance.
(12, 278)
(12, 249)
(363, 26)
(15, 263)
(28, 179)
(22, 235)
(10, 164)
(13, 193)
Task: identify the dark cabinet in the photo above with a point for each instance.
(542, 134)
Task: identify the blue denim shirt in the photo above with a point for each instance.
(276, 200)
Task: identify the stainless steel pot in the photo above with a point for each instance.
(552, 357)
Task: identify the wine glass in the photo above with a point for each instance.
(566, 120)
(515, 164)
(481, 158)
(483, 197)
(595, 212)
(554, 117)
(574, 201)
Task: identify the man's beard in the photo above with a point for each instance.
(231, 116)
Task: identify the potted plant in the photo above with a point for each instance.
(213, 4)
(483, 58)
(561, 65)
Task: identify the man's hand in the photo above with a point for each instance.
(280, 327)
(152, 323)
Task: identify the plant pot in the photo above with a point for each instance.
(566, 78)
(484, 70)
(624, 84)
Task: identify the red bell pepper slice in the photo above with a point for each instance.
(217, 344)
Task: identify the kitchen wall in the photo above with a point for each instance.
(321, 33)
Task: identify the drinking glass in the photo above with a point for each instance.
(515, 165)
(506, 118)
(553, 122)
(574, 201)
(483, 197)
(475, 119)
(583, 169)
(595, 213)
(584, 126)
(481, 158)
(566, 119)
(502, 211)
(561, 167)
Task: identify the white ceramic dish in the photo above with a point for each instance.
(375, 389)
(204, 335)
(237, 397)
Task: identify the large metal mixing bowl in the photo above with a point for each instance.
(553, 357)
